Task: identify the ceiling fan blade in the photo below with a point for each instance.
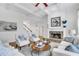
(37, 4)
(46, 5)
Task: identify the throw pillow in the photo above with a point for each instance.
(63, 45)
(72, 48)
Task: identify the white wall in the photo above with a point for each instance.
(10, 16)
(68, 13)
(39, 27)
(71, 18)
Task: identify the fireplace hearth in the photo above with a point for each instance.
(56, 34)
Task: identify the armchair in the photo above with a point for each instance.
(22, 40)
(34, 38)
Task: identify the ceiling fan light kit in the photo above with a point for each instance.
(45, 4)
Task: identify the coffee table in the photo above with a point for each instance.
(36, 50)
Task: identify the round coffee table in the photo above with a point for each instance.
(36, 50)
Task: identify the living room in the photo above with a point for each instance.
(39, 29)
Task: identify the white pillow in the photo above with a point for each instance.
(63, 45)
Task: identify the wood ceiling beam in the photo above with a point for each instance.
(26, 9)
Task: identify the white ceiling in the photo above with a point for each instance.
(30, 10)
(41, 10)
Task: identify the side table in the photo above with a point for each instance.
(13, 44)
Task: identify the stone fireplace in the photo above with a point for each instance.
(56, 34)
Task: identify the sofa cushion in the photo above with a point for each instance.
(63, 45)
(72, 48)
(76, 41)
(69, 39)
(77, 46)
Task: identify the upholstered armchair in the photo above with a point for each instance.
(34, 38)
(22, 40)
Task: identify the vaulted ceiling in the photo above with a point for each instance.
(38, 11)
(41, 10)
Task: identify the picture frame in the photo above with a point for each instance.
(8, 26)
(56, 22)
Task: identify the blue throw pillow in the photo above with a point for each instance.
(77, 46)
(72, 48)
(21, 38)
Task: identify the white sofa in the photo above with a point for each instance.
(60, 51)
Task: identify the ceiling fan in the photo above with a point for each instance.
(45, 4)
